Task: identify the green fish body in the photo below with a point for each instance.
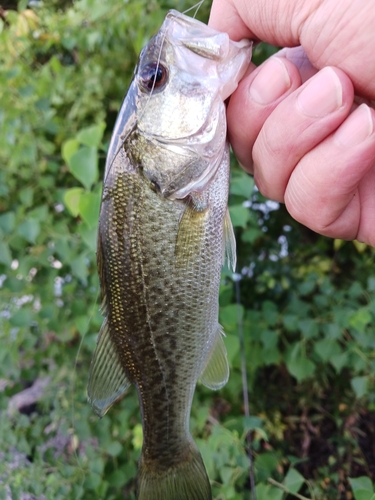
(163, 231)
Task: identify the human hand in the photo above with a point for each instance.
(297, 125)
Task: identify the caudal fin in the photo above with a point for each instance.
(185, 481)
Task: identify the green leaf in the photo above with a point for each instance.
(5, 255)
(252, 422)
(21, 318)
(251, 234)
(39, 213)
(89, 235)
(361, 319)
(363, 495)
(293, 480)
(362, 487)
(309, 328)
(268, 492)
(326, 348)
(7, 222)
(26, 196)
(29, 230)
(83, 164)
(226, 474)
(79, 267)
(290, 322)
(298, 365)
(114, 448)
(371, 284)
(82, 324)
(117, 479)
(265, 464)
(91, 136)
(239, 215)
(338, 361)
(232, 345)
(68, 149)
(230, 316)
(242, 184)
(89, 206)
(359, 386)
(301, 368)
(71, 200)
(270, 312)
(269, 339)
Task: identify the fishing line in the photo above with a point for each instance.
(237, 278)
(196, 6)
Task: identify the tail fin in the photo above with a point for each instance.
(186, 480)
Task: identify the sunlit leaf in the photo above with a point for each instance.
(363, 488)
(360, 319)
(68, 149)
(72, 199)
(91, 136)
(89, 205)
(83, 164)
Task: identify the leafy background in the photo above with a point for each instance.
(306, 302)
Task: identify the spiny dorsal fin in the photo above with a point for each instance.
(107, 380)
(216, 372)
(230, 257)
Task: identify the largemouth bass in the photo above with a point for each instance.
(163, 231)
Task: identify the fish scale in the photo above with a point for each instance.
(163, 229)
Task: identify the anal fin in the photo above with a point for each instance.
(107, 379)
(216, 372)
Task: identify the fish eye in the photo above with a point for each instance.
(153, 76)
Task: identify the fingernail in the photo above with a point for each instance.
(271, 82)
(356, 128)
(322, 94)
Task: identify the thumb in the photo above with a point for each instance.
(272, 21)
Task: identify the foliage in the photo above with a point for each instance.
(307, 303)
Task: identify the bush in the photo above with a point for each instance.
(306, 303)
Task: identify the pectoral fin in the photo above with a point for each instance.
(107, 379)
(216, 372)
(190, 233)
(230, 257)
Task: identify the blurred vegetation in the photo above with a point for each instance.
(307, 302)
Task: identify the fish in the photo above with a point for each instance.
(164, 232)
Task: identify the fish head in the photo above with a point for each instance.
(172, 123)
